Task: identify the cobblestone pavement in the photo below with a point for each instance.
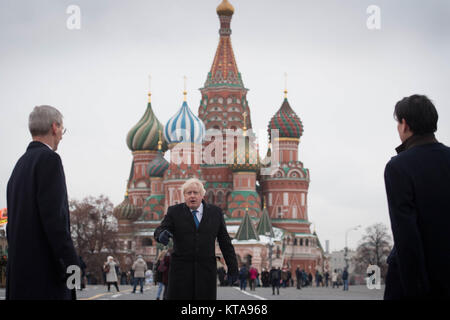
(234, 293)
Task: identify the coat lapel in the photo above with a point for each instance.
(205, 216)
(189, 216)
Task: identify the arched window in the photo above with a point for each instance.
(210, 197)
(219, 198)
(301, 242)
(147, 242)
(306, 242)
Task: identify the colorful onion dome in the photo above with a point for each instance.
(127, 210)
(144, 135)
(225, 9)
(184, 126)
(157, 166)
(287, 122)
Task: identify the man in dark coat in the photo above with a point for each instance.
(38, 229)
(418, 193)
(194, 227)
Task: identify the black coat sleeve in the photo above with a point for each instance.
(409, 252)
(54, 211)
(166, 224)
(227, 247)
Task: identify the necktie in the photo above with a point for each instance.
(194, 213)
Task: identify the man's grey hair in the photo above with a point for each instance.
(42, 118)
(193, 181)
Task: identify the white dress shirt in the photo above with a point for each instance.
(199, 213)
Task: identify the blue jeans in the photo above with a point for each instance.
(345, 285)
(141, 283)
(160, 289)
(243, 284)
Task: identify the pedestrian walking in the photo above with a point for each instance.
(299, 277)
(243, 276)
(158, 274)
(275, 278)
(139, 267)
(167, 260)
(310, 279)
(417, 184)
(284, 277)
(111, 275)
(40, 247)
(265, 278)
(327, 278)
(253, 276)
(334, 279)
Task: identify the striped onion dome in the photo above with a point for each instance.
(127, 210)
(287, 122)
(157, 166)
(184, 126)
(144, 135)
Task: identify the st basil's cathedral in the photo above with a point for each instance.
(266, 214)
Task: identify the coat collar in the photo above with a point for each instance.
(37, 144)
(416, 140)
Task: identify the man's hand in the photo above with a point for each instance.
(164, 237)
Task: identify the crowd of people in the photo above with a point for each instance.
(282, 278)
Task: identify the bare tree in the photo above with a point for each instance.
(373, 249)
(94, 231)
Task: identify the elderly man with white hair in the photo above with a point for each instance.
(40, 246)
(194, 227)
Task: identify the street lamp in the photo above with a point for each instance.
(346, 247)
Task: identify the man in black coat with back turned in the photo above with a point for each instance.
(194, 227)
(418, 192)
(38, 229)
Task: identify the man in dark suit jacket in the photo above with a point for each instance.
(418, 192)
(195, 226)
(38, 229)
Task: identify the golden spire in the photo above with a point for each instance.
(149, 88)
(285, 85)
(184, 91)
(159, 141)
(264, 203)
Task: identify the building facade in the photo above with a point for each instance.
(265, 201)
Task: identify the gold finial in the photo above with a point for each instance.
(285, 85)
(225, 8)
(245, 122)
(160, 141)
(264, 203)
(184, 91)
(126, 193)
(149, 88)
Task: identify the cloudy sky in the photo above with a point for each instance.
(343, 80)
